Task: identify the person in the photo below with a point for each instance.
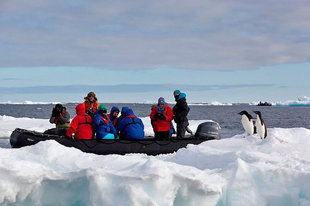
(180, 111)
(113, 116)
(104, 126)
(61, 118)
(81, 125)
(130, 126)
(91, 103)
(161, 117)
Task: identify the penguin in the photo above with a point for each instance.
(247, 122)
(260, 125)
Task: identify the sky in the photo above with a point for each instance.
(138, 51)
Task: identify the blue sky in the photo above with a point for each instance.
(136, 51)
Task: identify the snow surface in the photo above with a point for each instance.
(29, 102)
(241, 170)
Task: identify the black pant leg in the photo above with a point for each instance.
(181, 129)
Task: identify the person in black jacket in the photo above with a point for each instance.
(180, 111)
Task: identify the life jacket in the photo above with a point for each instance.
(81, 125)
(130, 126)
(114, 122)
(103, 125)
(106, 121)
(94, 106)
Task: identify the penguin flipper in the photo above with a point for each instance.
(255, 130)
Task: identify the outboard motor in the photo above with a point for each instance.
(208, 130)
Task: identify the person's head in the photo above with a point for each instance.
(114, 111)
(59, 107)
(124, 110)
(176, 93)
(80, 109)
(161, 102)
(102, 109)
(91, 97)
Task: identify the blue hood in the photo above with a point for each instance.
(129, 112)
(124, 110)
(114, 108)
(181, 96)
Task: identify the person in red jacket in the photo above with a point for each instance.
(161, 117)
(91, 103)
(81, 125)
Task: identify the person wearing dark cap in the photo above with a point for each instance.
(180, 111)
(91, 103)
(61, 118)
(161, 117)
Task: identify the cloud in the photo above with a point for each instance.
(123, 88)
(198, 34)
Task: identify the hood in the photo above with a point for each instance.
(124, 110)
(127, 111)
(114, 108)
(181, 96)
(80, 109)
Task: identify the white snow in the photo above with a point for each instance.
(29, 102)
(241, 170)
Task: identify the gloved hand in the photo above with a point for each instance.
(158, 115)
(162, 117)
(90, 112)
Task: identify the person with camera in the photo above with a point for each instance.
(61, 118)
(91, 104)
(161, 118)
(104, 126)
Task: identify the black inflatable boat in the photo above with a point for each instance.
(150, 146)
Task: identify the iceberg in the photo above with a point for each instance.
(240, 170)
(300, 102)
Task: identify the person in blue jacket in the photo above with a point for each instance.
(113, 116)
(104, 126)
(130, 126)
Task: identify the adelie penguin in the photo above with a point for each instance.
(260, 125)
(247, 122)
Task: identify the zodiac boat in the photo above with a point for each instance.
(150, 146)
